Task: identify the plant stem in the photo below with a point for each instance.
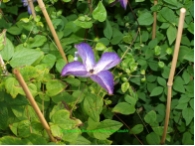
(30, 2)
(172, 71)
(57, 41)
(154, 23)
(33, 103)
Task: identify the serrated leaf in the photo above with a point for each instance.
(178, 85)
(124, 108)
(171, 34)
(188, 114)
(156, 91)
(137, 129)
(100, 13)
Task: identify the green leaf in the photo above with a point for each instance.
(171, 34)
(100, 13)
(124, 108)
(66, 1)
(153, 139)
(131, 100)
(83, 24)
(161, 81)
(100, 47)
(25, 57)
(188, 114)
(150, 117)
(189, 56)
(4, 116)
(37, 41)
(8, 51)
(54, 87)
(81, 141)
(168, 15)
(145, 19)
(187, 139)
(92, 105)
(125, 86)
(158, 130)
(156, 91)
(10, 140)
(60, 64)
(12, 86)
(186, 77)
(49, 60)
(137, 129)
(107, 30)
(24, 128)
(172, 2)
(178, 85)
(73, 81)
(106, 128)
(15, 30)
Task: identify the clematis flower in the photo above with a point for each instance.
(122, 2)
(25, 4)
(98, 72)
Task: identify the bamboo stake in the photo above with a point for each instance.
(57, 41)
(33, 103)
(172, 71)
(154, 23)
(30, 2)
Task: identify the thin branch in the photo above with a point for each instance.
(33, 103)
(154, 23)
(30, 2)
(172, 71)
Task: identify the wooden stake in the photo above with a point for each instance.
(33, 103)
(55, 36)
(154, 23)
(30, 2)
(172, 71)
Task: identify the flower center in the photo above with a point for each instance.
(91, 71)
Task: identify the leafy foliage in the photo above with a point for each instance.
(78, 110)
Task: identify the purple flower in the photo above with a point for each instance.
(124, 3)
(98, 72)
(25, 3)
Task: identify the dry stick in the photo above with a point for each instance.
(30, 2)
(154, 23)
(57, 41)
(33, 103)
(172, 71)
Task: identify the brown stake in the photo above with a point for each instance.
(172, 71)
(33, 103)
(55, 36)
(154, 23)
(30, 2)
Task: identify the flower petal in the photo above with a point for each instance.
(86, 54)
(104, 79)
(123, 3)
(75, 68)
(107, 61)
(29, 10)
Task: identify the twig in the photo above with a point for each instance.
(30, 2)
(33, 103)
(154, 23)
(172, 71)
(57, 41)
